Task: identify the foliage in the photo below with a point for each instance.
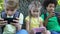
(1, 5)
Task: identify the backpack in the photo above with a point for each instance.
(4, 15)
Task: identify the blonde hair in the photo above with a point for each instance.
(11, 3)
(33, 5)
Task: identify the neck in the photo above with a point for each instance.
(35, 16)
(9, 15)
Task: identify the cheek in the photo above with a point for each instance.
(48, 8)
(10, 12)
(36, 13)
(39, 12)
(31, 11)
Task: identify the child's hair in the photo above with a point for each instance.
(47, 2)
(33, 5)
(11, 3)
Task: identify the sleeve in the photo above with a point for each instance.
(42, 16)
(21, 17)
(41, 19)
(27, 18)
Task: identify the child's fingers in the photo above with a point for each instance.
(17, 18)
(16, 21)
(3, 24)
(13, 23)
(1, 19)
(4, 21)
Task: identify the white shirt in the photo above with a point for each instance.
(21, 17)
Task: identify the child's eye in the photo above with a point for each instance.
(7, 9)
(35, 11)
(12, 10)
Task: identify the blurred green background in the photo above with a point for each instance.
(1, 5)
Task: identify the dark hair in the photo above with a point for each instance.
(47, 2)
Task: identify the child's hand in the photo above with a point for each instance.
(43, 29)
(2, 22)
(51, 15)
(17, 22)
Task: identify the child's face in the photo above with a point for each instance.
(50, 7)
(35, 12)
(10, 11)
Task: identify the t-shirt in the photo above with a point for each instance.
(10, 29)
(35, 22)
(52, 23)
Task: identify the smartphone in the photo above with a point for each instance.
(38, 32)
(57, 14)
(10, 20)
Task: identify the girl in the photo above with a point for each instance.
(33, 21)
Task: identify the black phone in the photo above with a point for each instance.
(10, 20)
(38, 32)
(57, 14)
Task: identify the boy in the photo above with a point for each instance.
(10, 11)
(50, 20)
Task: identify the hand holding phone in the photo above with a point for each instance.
(2, 22)
(10, 20)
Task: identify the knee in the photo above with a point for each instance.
(23, 31)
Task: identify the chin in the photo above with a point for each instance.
(10, 14)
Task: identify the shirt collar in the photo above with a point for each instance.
(9, 16)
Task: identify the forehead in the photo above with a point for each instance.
(11, 4)
(9, 7)
(51, 4)
(35, 8)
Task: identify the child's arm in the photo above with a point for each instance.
(19, 21)
(27, 23)
(21, 17)
(41, 22)
(49, 16)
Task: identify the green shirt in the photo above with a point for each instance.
(52, 23)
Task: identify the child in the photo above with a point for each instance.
(33, 20)
(51, 22)
(11, 11)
